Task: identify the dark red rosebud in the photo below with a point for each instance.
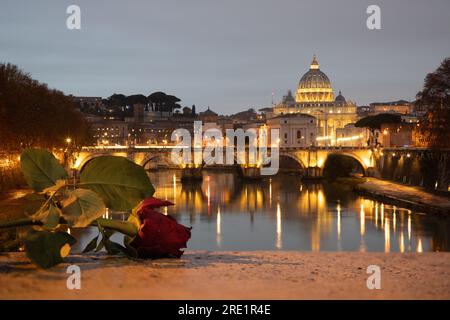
(159, 235)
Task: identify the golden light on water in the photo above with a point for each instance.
(208, 193)
(218, 222)
(218, 228)
(270, 192)
(409, 227)
(394, 220)
(323, 226)
(419, 246)
(339, 221)
(387, 236)
(402, 243)
(320, 199)
(376, 214)
(362, 222)
(279, 243)
(174, 186)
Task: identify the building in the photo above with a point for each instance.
(296, 129)
(351, 136)
(109, 132)
(398, 134)
(315, 97)
(363, 111)
(208, 116)
(402, 107)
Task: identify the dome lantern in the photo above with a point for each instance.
(314, 63)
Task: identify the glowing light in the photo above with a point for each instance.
(320, 199)
(362, 217)
(349, 138)
(208, 194)
(270, 192)
(174, 186)
(279, 243)
(402, 243)
(320, 162)
(394, 218)
(218, 228)
(218, 221)
(409, 227)
(376, 214)
(387, 236)
(339, 221)
(419, 246)
(323, 138)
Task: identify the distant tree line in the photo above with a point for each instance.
(121, 105)
(33, 115)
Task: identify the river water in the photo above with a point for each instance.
(282, 213)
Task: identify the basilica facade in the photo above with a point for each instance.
(315, 97)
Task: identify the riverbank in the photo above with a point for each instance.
(410, 197)
(233, 275)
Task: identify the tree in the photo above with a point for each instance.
(373, 123)
(136, 99)
(435, 98)
(162, 102)
(32, 115)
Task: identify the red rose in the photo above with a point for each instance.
(159, 235)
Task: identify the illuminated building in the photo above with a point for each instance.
(402, 107)
(315, 97)
(296, 130)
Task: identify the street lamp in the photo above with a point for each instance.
(68, 140)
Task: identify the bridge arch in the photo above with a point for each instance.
(81, 162)
(358, 158)
(161, 158)
(361, 163)
(294, 157)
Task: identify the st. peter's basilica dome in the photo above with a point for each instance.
(314, 86)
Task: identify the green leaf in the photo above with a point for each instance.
(91, 245)
(121, 183)
(51, 221)
(106, 234)
(53, 189)
(82, 207)
(41, 169)
(47, 249)
(114, 248)
(130, 251)
(33, 203)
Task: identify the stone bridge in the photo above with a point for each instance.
(311, 160)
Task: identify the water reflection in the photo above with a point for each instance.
(279, 241)
(281, 213)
